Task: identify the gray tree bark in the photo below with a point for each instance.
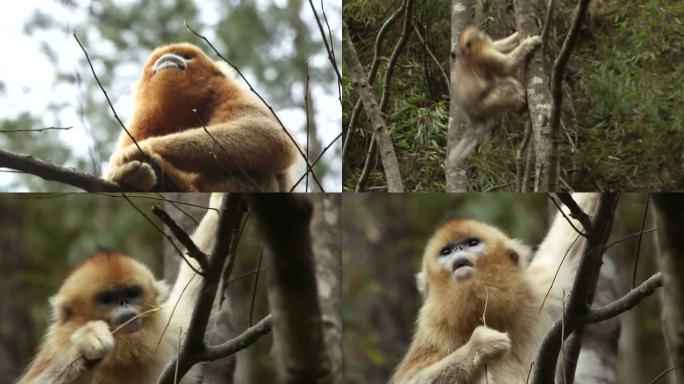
(298, 343)
(598, 357)
(670, 243)
(459, 130)
(538, 103)
(327, 248)
(370, 105)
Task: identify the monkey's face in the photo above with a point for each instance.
(109, 287)
(459, 257)
(120, 306)
(463, 253)
(179, 77)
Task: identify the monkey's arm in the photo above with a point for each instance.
(466, 363)
(251, 144)
(510, 61)
(74, 363)
(562, 247)
(507, 44)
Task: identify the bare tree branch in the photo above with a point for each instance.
(376, 140)
(552, 155)
(374, 112)
(582, 291)
(182, 236)
(372, 72)
(35, 130)
(626, 302)
(298, 344)
(193, 349)
(52, 172)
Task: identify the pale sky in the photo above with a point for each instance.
(29, 83)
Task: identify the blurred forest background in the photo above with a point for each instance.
(42, 241)
(622, 127)
(49, 83)
(383, 239)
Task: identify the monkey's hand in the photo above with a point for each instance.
(532, 42)
(94, 341)
(489, 344)
(128, 166)
(142, 151)
(136, 174)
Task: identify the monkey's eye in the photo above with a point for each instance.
(472, 242)
(133, 293)
(186, 56)
(106, 298)
(445, 251)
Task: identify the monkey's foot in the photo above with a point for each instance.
(94, 340)
(136, 174)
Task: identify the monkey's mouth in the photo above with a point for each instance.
(169, 61)
(462, 268)
(130, 327)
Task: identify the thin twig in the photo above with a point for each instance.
(111, 106)
(216, 51)
(663, 373)
(254, 286)
(167, 237)
(641, 235)
(182, 236)
(35, 130)
(317, 159)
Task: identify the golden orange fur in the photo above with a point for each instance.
(486, 85)
(181, 92)
(455, 336)
(79, 346)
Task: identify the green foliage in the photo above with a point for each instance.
(417, 112)
(628, 100)
(622, 120)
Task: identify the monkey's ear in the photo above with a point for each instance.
(61, 311)
(163, 290)
(521, 250)
(421, 283)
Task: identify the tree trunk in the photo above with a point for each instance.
(16, 327)
(458, 129)
(370, 104)
(298, 344)
(670, 243)
(326, 243)
(598, 357)
(538, 103)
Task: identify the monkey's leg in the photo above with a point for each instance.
(467, 362)
(506, 94)
(507, 44)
